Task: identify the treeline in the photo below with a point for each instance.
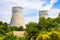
(6, 31)
(7, 28)
(45, 29)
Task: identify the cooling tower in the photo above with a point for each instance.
(43, 13)
(17, 17)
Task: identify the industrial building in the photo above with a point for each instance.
(17, 17)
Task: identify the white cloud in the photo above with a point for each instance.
(37, 4)
(6, 7)
(54, 13)
(5, 16)
(48, 6)
(31, 19)
(34, 4)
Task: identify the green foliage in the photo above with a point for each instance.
(43, 26)
(31, 28)
(11, 37)
(20, 28)
(1, 23)
(22, 38)
(14, 28)
(45, 29)
(53, 35)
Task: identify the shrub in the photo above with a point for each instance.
(10, 37)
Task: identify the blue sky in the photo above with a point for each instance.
(31, 9)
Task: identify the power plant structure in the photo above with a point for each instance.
(43, 13)
(17, 17)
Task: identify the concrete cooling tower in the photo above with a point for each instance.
(17, 17)
(43, 13)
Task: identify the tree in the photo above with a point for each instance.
(20, 28)
(30, 27)
(13, 28)
(58, 27)
(45, 24)
(5, 27)
(1, 22)
(10, 36)
(57, 19)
